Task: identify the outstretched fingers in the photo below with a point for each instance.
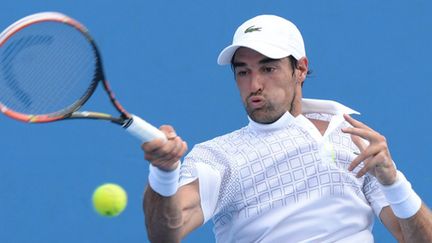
(355, 123)
(371, 164)
(360, 156)
(375, 155)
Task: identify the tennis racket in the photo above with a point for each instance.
(49, 67)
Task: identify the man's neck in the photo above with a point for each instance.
(320, 125)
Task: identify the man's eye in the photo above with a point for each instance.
(268, 69)
(241, 73)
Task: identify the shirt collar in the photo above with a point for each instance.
(325, 106)
(308, 106)
(282, 122)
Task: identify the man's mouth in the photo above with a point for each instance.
(256, 101)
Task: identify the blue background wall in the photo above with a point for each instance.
(160, 56)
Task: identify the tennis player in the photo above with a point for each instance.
(302, 170)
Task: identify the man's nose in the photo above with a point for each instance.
(256, 82)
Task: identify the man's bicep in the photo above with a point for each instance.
(189, 198)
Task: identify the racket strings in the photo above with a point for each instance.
(58, 91)
(46, 68)
(11, 70)
(7, 66)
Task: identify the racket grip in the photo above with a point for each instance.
(143, 130)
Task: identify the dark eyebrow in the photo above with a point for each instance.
(237, 64)
(265, 60)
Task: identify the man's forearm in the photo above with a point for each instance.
(163, 217)
(418, 228)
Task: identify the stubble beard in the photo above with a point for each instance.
(266, 114)
(270, 112)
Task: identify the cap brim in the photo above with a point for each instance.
(265, 49)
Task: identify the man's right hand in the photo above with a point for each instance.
(165, 154)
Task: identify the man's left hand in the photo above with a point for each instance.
(375, 156)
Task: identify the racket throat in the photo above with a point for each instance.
(126, 122)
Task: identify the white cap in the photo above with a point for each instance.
(270, 35)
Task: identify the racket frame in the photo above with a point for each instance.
(70, 112)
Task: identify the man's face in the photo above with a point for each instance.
(268, 87)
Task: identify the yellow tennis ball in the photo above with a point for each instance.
(109, 199)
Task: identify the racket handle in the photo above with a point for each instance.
(143, 130)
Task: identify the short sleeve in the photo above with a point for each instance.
(374, 195)
(198, 164)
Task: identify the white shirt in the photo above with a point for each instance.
(285, 182)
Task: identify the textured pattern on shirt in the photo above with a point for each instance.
(266, 170)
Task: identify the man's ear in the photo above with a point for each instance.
(302, 68)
